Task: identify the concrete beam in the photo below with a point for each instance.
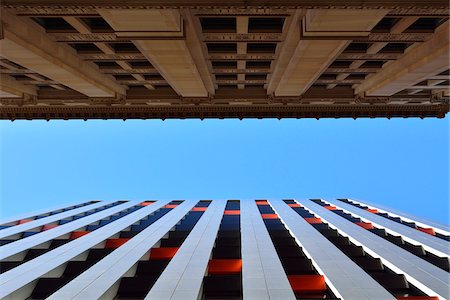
(311, 57)
(416, 65)
(11, 88)
(171, 57)
(26, 44)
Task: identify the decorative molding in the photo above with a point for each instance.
(396, 37)
(205, 4)
(224, 111)
(421, 11)
(409, 37)
(432, 8)
(130, 71)
(345, 81)
(117, 56)
(226, 81)
(367, 56)
(226, 56)
(242, 37)
(86, 37)
(240, 71)
(350, 70)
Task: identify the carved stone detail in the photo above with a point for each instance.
(229, 111)
(349, 70)
(241, 56)
(367, 56)
(239, 71)
(127, 56)
(395, 37)
(242, 37)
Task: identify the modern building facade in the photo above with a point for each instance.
(223, 249)
(145, 59)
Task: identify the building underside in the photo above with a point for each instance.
(148, 59)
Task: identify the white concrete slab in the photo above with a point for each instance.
(20, 276)
(31, 241)
(431, 243)
(346, 279)
(37, 212)
(263, 276)
(183, 277)
(439, 227)
(94, 282)
(53, 218)
(427, 277)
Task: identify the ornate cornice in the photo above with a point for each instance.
(235, 7)
(225, 111)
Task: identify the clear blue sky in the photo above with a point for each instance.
(402, 163)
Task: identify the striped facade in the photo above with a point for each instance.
(223, 249)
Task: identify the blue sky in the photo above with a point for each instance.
(401, 163)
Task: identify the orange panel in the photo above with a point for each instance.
(23, 221)
(372, 210)
(294, 205)
(115, 243)
(364, 225)
(262, 202)
(225, 266)
(232, 212)
(427, 230)
(47, 227)
(269, 216)
(77, 234)
(307, 283)
(170, 205)
(330, 207)
(199, 208)
(163, 253)
(313, 220)
(418, 298)
(146, 203)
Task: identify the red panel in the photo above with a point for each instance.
(77, 234)
(418, 298)
(146, 203)
(115, 243)
(307, 283)
(330, 207)
(364, 225)
(372, 210)
(199, 208)
(232, 212)
(294, 205)
(170, 205)
(262, 202)
(427, 230)
(47, 227)
(269, 216)
(313, 220)
(163, 253)
(225, 266)
(23, 221)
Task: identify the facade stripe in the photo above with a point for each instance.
(40, 222)
(431, 243)
(93, 283)
(182, 279)
(427, 277)
(41, 211)
(445, 229)
(263, 274)
(345, 278)
(29, 271)
(24, 244)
